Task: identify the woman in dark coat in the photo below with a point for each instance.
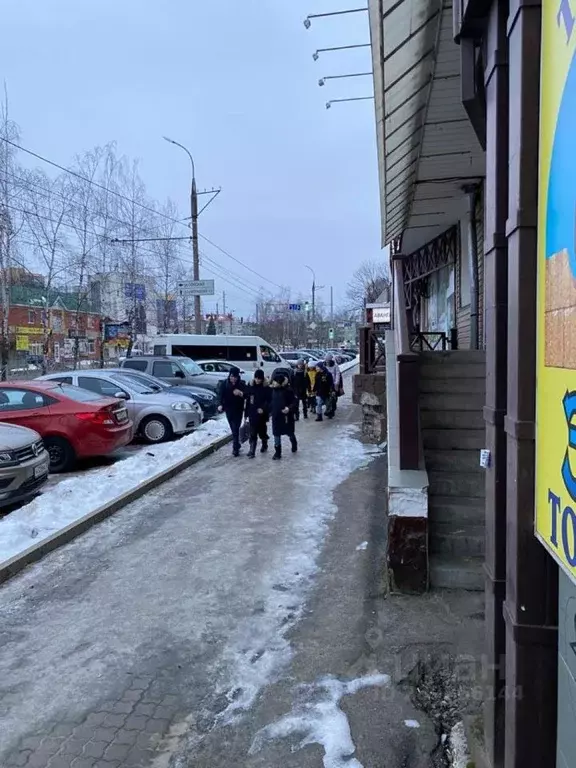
(282, 407)
(258, 396)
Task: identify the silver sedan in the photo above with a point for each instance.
(156, 417)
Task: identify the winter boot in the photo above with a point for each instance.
(294, 444)
(277, 453)
(236, 452)
(252, 451)
(264, 446)
(319, 417)
(305, 414)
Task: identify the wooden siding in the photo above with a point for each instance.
(463, 312)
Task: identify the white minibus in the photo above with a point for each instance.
(247, 352)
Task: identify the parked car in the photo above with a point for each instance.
(175, 370)
(206, 399)
(218, 366)
(23, 464)
(156, 417)
(73, 423)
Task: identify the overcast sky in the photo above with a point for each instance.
(235, 81)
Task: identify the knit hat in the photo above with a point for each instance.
(234, 371)
(259, 374)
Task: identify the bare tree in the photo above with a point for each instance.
(47, 209)
(168, 263)
(137, 222)
(9, 225)
(367, 283)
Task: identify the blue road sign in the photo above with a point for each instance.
(295, 307)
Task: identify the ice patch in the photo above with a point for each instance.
(411, 723)
(362, 547)
(318, 719)
(71, 499)
(259, 650)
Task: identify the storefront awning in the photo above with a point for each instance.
(427, 149)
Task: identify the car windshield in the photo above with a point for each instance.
(155, 384)
(190, 366)
(135, 386)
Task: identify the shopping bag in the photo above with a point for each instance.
(244, 432)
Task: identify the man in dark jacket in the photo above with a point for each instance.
(301, 386)
(282, 409)
(258, 397)
(323, 389)
(232, 392)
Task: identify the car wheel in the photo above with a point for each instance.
(61, 453)
(156, 429)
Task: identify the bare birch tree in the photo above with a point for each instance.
(367, 283)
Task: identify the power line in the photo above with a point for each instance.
(129, 200)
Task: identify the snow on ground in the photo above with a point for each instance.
(258, 650)
(71, 499)
(362, 547)
(317, 717)
(411, 723)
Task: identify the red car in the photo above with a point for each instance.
(74, 423)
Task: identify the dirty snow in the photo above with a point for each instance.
(411, 723)
(71, 499)
(258, 650)
(459, 746)
(317, 718)
(362, 547)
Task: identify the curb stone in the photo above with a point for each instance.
(40, 549)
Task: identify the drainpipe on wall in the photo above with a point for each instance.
(471, 190)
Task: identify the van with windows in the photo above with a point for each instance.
(247, 352)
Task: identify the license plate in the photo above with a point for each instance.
(121, 415)
(40, 471)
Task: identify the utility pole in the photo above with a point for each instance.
(223, 302)
(313, 293)
(195, 251)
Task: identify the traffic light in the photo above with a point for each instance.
(307, 306)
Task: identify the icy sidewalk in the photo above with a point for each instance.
(72, 499)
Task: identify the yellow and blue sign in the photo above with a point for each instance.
(556, 353)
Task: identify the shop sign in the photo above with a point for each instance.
(29, 330)
(22, 344)
(556, 296)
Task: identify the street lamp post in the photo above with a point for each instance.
(195, 249)
(308, 19)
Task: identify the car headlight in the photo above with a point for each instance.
(181, 407)
(6, 457)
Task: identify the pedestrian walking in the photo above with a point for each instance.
(232, 393)
(257, 411)
(282, 408)
(311, 395)
(301, 386)
(335, 372)
(323, 389)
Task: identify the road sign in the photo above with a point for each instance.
(295, 307)
(312, 326)
(188, 288)
(331, 333)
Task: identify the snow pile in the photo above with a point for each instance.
(258, 649)
(362, 547)
(348, 366)
(459, 747)
(317, 717)
(411, 723)
(71, 499)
